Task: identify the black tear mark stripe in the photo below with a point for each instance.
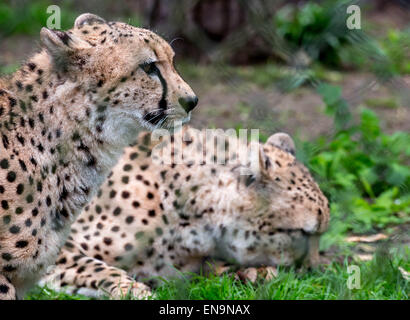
(155, 117)
(163, 102)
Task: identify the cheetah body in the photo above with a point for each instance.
(158, 214)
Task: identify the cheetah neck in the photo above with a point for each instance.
(54, 115)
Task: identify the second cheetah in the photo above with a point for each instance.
(155, 215)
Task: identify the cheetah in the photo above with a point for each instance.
(65, 117)
(156, 216)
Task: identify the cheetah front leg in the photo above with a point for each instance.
(7, 290)
(78, 273)
(313, 259)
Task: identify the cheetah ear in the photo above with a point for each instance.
(260, 163)
(60, 44)
(88, 18)
(265, 164)
(282, 141)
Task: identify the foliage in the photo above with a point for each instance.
(388, 55)
(29, 19)
(396, 46)
(362, 170)
(320, 30)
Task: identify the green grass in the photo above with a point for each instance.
(44, 293)
(379, 279)
(290, 285)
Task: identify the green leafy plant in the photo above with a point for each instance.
(30, 18)
(396, 46)
(364, 172)
(320, 30)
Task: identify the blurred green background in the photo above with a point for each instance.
(289, 66)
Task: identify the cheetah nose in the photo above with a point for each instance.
(188, 103)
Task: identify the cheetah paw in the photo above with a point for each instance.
(136, 290)
(252, 274)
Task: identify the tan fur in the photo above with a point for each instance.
(65, 117)
(152, 216)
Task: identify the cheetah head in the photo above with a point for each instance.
(126, 73)
(284, 213)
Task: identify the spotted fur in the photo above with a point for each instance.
(153, 216)
(65, 117)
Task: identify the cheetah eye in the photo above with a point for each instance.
(149, 68)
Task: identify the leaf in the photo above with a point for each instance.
(397, 174)
(369, 124)
(329, 93)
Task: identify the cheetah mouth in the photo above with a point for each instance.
(161, 119)
(155, 117)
